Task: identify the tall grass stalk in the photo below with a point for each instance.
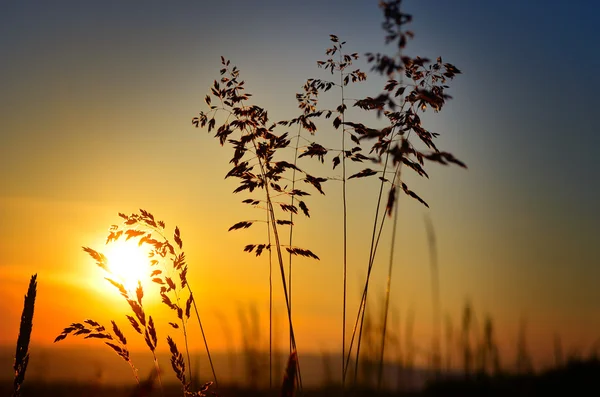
(389, 282)
(257, 138)
(409, 340)
(449, 336)
(435, 295)
(467, 321)
(210, 361)
(375, 238)
(25, 328)
(344, 61)
(426, 90)
(345, 219)
(271, 303)
(288, 385)
(358, 324)
(273, 224)
(292, 202)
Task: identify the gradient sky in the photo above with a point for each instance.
(96, 102)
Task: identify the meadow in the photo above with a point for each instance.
(280, 167)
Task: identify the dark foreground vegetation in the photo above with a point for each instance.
(578, 378)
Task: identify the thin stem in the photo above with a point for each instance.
(162, 392)
(270, 306)
(273, 221)
(249, 126)
(389, 280)
(134, 370)
(374, 242)
(212, 368)
(373, 248)
(187, 349)
(363, 306)
(345, 233)
(282, 271)
(363, 298)
(373, 251)
(279, 255)
(292, 220)
(435, 291)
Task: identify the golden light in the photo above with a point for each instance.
(128, 262)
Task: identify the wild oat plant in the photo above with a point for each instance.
(266, 162)
(256, 163)
(169, 271)
(262, 160)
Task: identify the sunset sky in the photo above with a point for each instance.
(96, 103)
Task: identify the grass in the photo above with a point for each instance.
(272, 174)
(259, 150)
(570, 375)
(22, 351)
(259, 163)
(169, 272)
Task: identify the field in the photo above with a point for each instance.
(336, 277)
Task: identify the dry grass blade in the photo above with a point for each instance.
(22, 353)
(289, 378)
(177, 362)
(119, 333)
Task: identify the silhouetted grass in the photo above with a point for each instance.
(273, 179)
(413, 86)
(25, 328)
(169, 271)
(576, 378)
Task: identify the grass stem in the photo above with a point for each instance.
(25, 328)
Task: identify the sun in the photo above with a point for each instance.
(128, 262)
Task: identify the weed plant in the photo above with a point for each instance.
(169, 271)
(414, 85)
(266, 160)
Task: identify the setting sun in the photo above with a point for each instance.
(128, 262)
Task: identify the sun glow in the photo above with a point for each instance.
(129, 263)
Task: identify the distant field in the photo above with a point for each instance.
(78, 373)
(100, 366)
